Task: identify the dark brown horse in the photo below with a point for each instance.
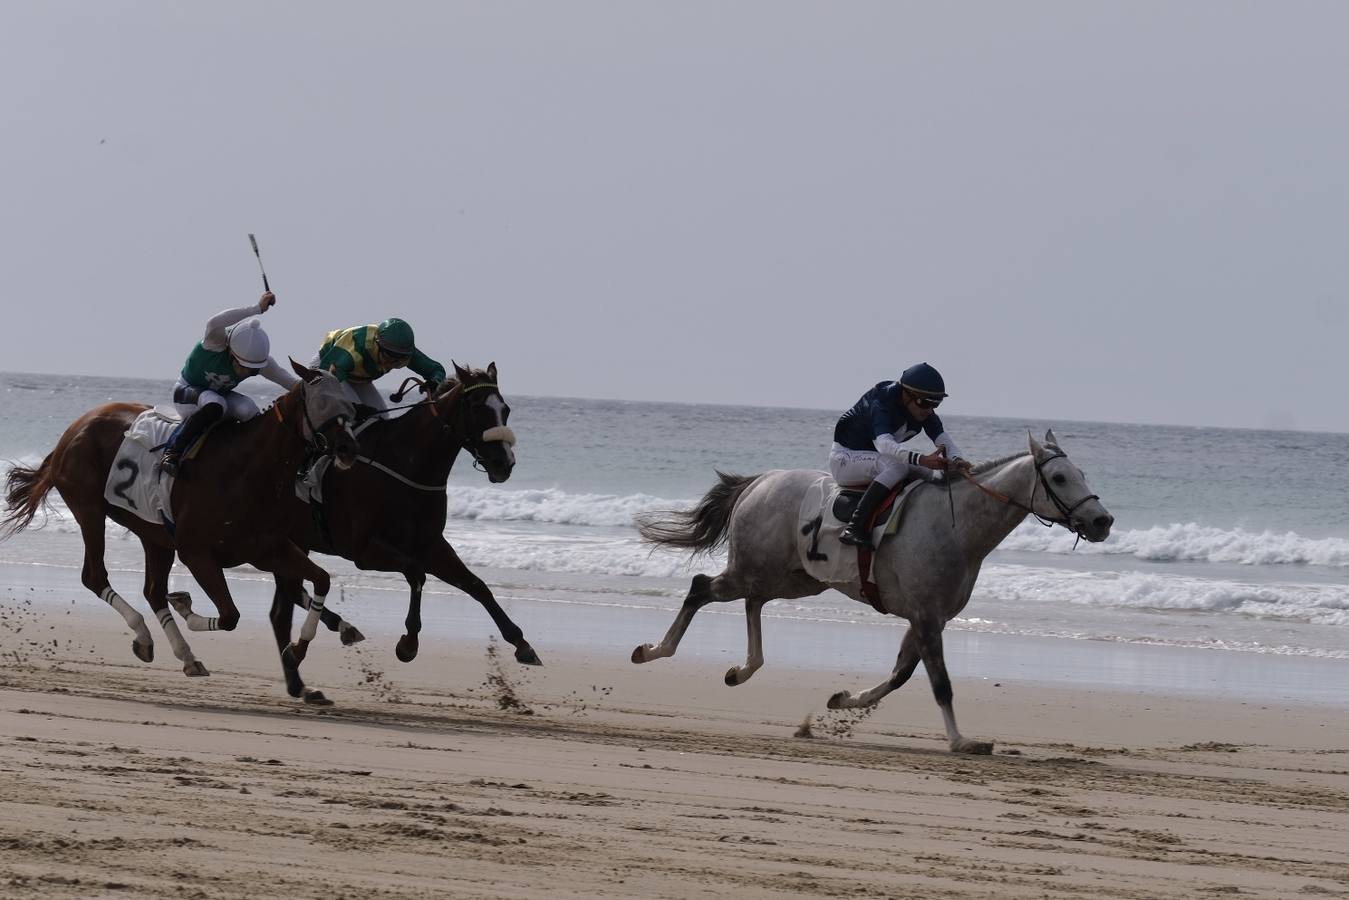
(234, 504)
(387, 513)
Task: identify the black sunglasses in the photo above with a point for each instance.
(927, 402)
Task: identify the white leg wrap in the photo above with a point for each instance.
(170, 626)
(133, 619)
(183, 604)
(311, 621)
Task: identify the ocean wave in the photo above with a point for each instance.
(1191, 542)
(553, 506)
(1317, 604)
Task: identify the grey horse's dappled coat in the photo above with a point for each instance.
(925, 573)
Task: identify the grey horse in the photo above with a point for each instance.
(925, 574)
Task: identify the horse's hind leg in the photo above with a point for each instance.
(158, 562)
(796, 584)
(909, 654)
(754, 653)
(332, 620)
(95, 577)
(703, 591)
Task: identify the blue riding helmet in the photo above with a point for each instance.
(923, 380)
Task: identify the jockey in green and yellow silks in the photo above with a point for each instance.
(362, 353)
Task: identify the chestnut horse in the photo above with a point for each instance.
(233, 504)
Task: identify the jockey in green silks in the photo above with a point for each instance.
(362, 353)
(233, 349)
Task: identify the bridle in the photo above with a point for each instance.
(1064, 509)
(316, 440)
(498, 433)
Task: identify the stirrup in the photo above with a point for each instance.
(170, 463)
(855, 538)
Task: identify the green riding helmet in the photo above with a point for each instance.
(395, 337)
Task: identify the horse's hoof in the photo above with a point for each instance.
(837, 701)
(350, 634)
(406, 651)
(316, 698)
(527, 656)
(194, 669)
(294, 685)
(733, 676)
(181, 601)
(974, 748)
(639, 654)
(144, 652)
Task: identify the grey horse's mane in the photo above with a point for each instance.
(986, 466)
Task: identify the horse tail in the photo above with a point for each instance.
(703, 528)
(25, 493)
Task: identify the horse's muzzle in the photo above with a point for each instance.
(1094, 530)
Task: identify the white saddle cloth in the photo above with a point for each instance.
(135, 483)
(823, 555)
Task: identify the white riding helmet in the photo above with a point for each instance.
(249, 344)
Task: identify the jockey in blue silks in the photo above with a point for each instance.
(867, 442)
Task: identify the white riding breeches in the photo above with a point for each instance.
(858, 467)
(363, 392)
(237, 406)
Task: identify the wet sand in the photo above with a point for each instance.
(465, 774)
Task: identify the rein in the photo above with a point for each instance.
(428, 401)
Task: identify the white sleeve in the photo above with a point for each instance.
(279, 374)
(215, 329)
(952, 451)
(886, 445)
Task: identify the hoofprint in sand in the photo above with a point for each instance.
(465, 774)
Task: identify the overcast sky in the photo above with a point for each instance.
(1108, 211)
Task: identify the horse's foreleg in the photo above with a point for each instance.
(285, 598)
(754, 652)
(909, 654)
(94, 576)
(406, 649)
(289, 561)
(930, 646)
(158, 562)
(331, 619)
(211, 577)
(445, 564)
(703, 591)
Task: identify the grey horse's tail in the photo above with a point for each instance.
(703, 528)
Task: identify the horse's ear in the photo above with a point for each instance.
(459, 371)
(304, 372)
(1036, 450)
(1050, 439)
(492, 370)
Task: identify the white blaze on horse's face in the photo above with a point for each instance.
(1086, 514)
(499, 432)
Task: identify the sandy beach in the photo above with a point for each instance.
(465, 774)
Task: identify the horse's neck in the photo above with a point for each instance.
(988, 521)
(416, 445)
(274, 443)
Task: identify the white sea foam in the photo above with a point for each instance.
(1190, 542)
(553, 506)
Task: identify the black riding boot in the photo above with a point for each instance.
(857, 534)
(194, 427)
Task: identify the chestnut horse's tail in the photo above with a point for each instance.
(26, 491)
